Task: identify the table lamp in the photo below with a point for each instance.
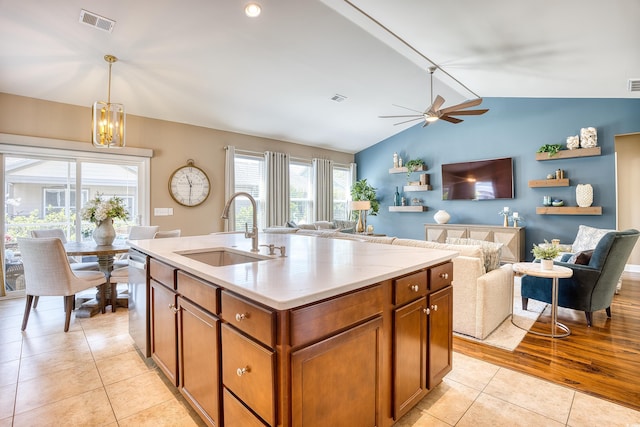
(363, 206)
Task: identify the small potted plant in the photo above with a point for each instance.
(545, 252)
(413, 165)
(551, 149)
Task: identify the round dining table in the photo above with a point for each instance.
(106, 255)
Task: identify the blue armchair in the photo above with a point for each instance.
(592, 286)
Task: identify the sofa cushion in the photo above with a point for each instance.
(307, 226)
(587, 238)
(280, 230)
(581, 258)
(474, 251)
(492, 251)
(324, 225)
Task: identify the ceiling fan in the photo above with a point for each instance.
(434, 112)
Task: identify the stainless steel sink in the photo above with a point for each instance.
(220, 257)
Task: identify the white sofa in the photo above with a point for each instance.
(481, 300)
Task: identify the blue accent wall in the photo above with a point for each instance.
(513, 127)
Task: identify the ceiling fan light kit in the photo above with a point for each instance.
(435, 112)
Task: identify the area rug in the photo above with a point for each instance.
(508, 335)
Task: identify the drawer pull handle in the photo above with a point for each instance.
(241, 316)
(242, 371)
(426, 311)
(414, 288)
(444, 276)
(434, 307)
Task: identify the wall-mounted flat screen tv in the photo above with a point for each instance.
(478, 180)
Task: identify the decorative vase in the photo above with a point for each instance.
(442, 217)
(584, 195)
(546, 264)
(104, 234)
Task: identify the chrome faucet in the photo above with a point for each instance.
(253, 235)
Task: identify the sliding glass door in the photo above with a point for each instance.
(50, 192)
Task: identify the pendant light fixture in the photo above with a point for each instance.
(108, 119)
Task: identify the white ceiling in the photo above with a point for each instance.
(203, 62)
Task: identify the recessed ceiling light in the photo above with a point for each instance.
(252, 9)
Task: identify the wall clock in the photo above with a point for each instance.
(189, 185)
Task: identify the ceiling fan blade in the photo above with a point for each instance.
(407, 108)
(465, 104)
(467, 112)
(393, 117)
(437, 103)
(451, 119)
(407, 121)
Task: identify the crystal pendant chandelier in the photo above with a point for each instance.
(108, 119)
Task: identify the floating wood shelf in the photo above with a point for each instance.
(407, 208)
(405, 170)
(568, 210)
(567, 154)
(548, 183)
(417, 188)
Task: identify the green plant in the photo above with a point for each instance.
(362, 190)
(545, 251)
(552, 149)
(413, 165)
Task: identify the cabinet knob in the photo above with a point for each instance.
(173, 308)
(426, 311)
(434, 307)
(240, 317)
(444, 275)
(414, 288)
(242, 371)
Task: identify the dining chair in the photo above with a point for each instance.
(167, 234)
(47, 273)
(59, 233)
(121, 274)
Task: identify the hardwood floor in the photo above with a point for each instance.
(603, 360)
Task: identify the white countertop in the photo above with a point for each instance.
(314, 268)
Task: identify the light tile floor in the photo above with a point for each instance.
(93, 376)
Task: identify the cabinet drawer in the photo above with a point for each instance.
(198, 291)
(410, 287)
(162, 273)
(235, 413)
(440, 276)
(249, 317)
(248, 371)
(319, 320)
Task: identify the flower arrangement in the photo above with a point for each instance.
(545, 251)
(97, 210)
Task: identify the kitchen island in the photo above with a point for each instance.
(337, 332)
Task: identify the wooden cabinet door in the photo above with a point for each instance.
(199, 360)
(336, 382)
(409, 356)
(440, 324)
(164, 329)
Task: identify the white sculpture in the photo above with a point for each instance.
(588, 137)
(573, 142)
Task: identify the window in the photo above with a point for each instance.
(300, 192)
(249, 177)
(341, 191)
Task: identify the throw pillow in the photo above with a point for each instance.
(587, 238)
(291, 224)
(492, 251)
(581, 258)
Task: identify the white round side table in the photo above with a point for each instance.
(535, 269)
